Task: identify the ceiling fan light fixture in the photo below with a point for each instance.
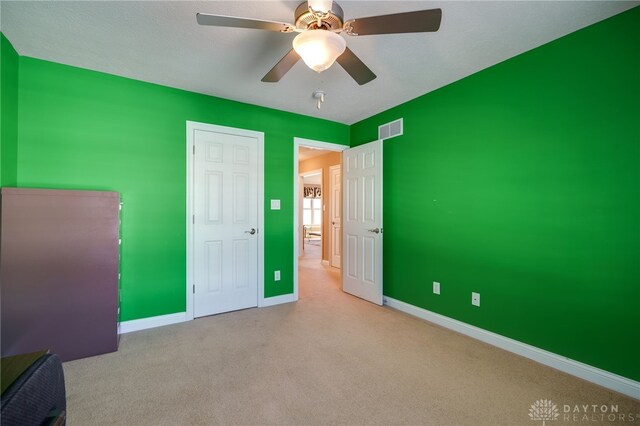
(319, 49)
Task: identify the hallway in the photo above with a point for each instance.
(315, 278)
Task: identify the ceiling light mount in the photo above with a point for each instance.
(320, 8)
(332, 19)
(319, 96)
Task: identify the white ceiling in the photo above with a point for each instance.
(160, 42)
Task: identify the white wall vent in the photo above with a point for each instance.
(390, 130)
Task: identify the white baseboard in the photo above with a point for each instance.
(325, 262)
(277, 300)
(152, 322)
(575, 368)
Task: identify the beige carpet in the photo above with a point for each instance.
(330, 358)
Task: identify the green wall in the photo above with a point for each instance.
(522, 183)
(81, 129)
(8, 113)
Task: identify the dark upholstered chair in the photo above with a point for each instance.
(37, 396)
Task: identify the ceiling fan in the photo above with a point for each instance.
(319, 44)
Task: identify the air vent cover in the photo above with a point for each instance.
(390, 130)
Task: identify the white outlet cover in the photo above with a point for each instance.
(275, 204)
(276, 275)
(436, 287)
(475, 299)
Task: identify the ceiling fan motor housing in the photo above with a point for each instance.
(306, 20)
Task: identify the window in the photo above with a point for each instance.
(312, 211)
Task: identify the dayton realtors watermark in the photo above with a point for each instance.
(545, 410)
(596, 413)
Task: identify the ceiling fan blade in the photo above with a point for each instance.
(282, 67)
(232, 21)
(355, 67)
(408, 22)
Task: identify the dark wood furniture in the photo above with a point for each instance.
(59, 255)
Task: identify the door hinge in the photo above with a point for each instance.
(194, 150)
(193, 219)
(194, 289)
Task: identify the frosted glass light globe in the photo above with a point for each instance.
(319, 49)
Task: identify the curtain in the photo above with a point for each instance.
(312, 191)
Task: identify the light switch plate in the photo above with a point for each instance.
(276, 275)
(436, 287)
(275, 204)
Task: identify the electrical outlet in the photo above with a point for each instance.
(475, 299)
(436, 287)
(276, 275)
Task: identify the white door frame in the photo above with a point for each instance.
(192, 126)
(331, 215)
(297, 143)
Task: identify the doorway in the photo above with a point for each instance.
(315, 216)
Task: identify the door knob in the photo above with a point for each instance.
(253, 231)
(374, 230)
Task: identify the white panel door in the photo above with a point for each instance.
(335, 185)
(225, 221)
(362, 221)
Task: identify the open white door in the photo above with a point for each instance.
(362, 221)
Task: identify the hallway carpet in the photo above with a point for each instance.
(329, 358)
